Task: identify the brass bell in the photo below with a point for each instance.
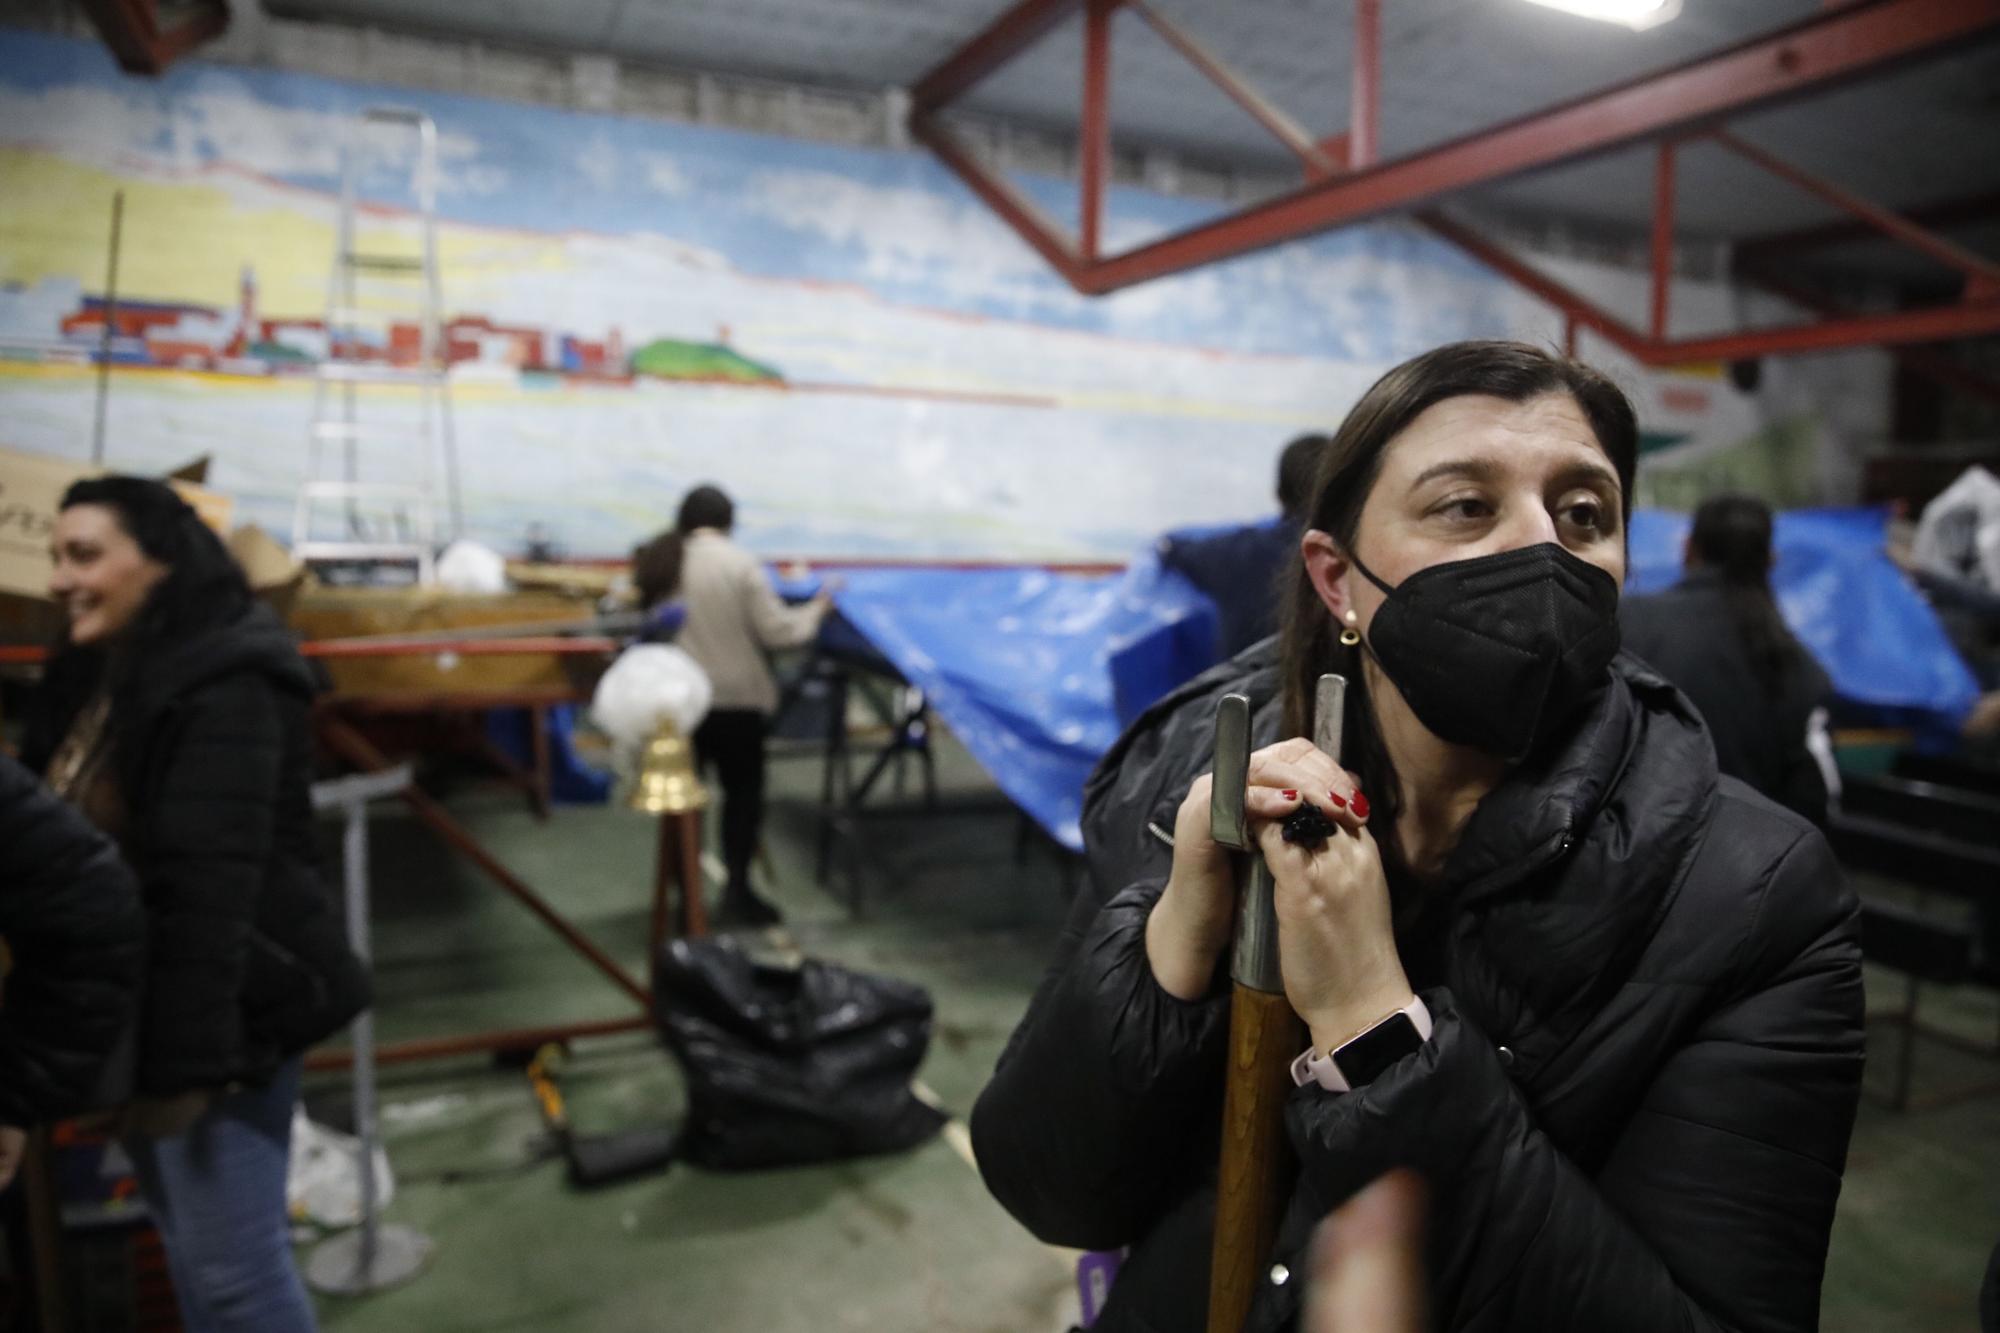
(668, 783)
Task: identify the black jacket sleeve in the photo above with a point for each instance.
(1713, 1207)
(204, 837)
(69, 911)
(1085, 1133)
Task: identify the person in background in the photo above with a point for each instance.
(173, 715)
(1718, 636)
(731, 618)
(1242, 569)
(75, 941)
(1604, 1001)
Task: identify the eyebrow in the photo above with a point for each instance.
(1485, 469)
(1478, 469)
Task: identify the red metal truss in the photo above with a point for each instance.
(132, 31)
(1933, 363)
(1345, 184)
(1945, 213)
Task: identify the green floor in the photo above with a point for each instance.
(903, 1243)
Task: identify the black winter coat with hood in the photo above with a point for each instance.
(247, 960)
(69, 912)
(1633, 1113)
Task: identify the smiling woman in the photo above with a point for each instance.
(1606, 1003)
(173, 716)
(102, 575)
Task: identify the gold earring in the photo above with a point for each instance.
(1350, 636)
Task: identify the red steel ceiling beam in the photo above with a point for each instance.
(1014, 208)
(1786, 244)
(1365, 98)
(1969, 319)
(1096, 136)
(1810, 56)
(1663, 235)
(1935, 365)
(1937, 324)
(1578, 311)
(1006, 37)
(1819, 53)
(1283, 128)
(1982, 275)
(131, 30)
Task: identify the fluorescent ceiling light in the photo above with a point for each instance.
(1637, 15)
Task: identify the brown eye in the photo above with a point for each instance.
(1585, 514)
(1465, 510)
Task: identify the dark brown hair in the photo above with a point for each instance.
(705, 507)
(1348, 468)
(1297, 466)
(203, 590)
(656, 568)
(1732, 537)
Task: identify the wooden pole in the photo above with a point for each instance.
(1253, 1177)
(110, 319)
(1253, 1181)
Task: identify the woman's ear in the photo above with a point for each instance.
(1326, 569)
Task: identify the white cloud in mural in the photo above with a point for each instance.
(222, 121)
(95, 123)
(897, 226)
(599, 163)
(663, 175)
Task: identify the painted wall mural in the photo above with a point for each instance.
(843, 338)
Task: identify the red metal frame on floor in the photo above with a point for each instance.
(1346, 184)
(678, 861)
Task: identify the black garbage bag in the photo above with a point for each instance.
(791, 1065)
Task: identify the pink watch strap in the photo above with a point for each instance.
(1308, 1067)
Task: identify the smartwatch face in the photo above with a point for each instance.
(1378, 1048)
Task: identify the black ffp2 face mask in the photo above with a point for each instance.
(1498, 652)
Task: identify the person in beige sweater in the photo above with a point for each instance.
(733, 619)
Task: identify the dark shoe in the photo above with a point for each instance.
(744, 909)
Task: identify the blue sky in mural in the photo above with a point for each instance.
(785, 208)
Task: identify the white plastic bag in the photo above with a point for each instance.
(1959, 534)
(649, 682)
(321, 1184)
(466, 566)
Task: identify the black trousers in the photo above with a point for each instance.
(731, 742)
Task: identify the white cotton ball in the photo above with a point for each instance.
(647, 683)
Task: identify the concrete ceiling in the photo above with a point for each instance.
(1917, 136)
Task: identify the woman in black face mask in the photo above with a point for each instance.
(1606, 1003)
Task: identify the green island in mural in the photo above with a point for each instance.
(673, 359)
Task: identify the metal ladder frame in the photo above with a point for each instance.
(341, 377)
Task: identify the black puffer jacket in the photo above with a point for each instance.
(69, 911)
(1633, 1113)
(247, 960)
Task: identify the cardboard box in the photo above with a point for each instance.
(274, 573)
(31, 491)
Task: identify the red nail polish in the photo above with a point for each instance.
(1289, 794)
(1339, 801)
(1360, 806)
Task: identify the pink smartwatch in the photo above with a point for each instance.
(1357, 1061)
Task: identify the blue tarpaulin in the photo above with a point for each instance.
(1020, 663)
(1016, 663)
